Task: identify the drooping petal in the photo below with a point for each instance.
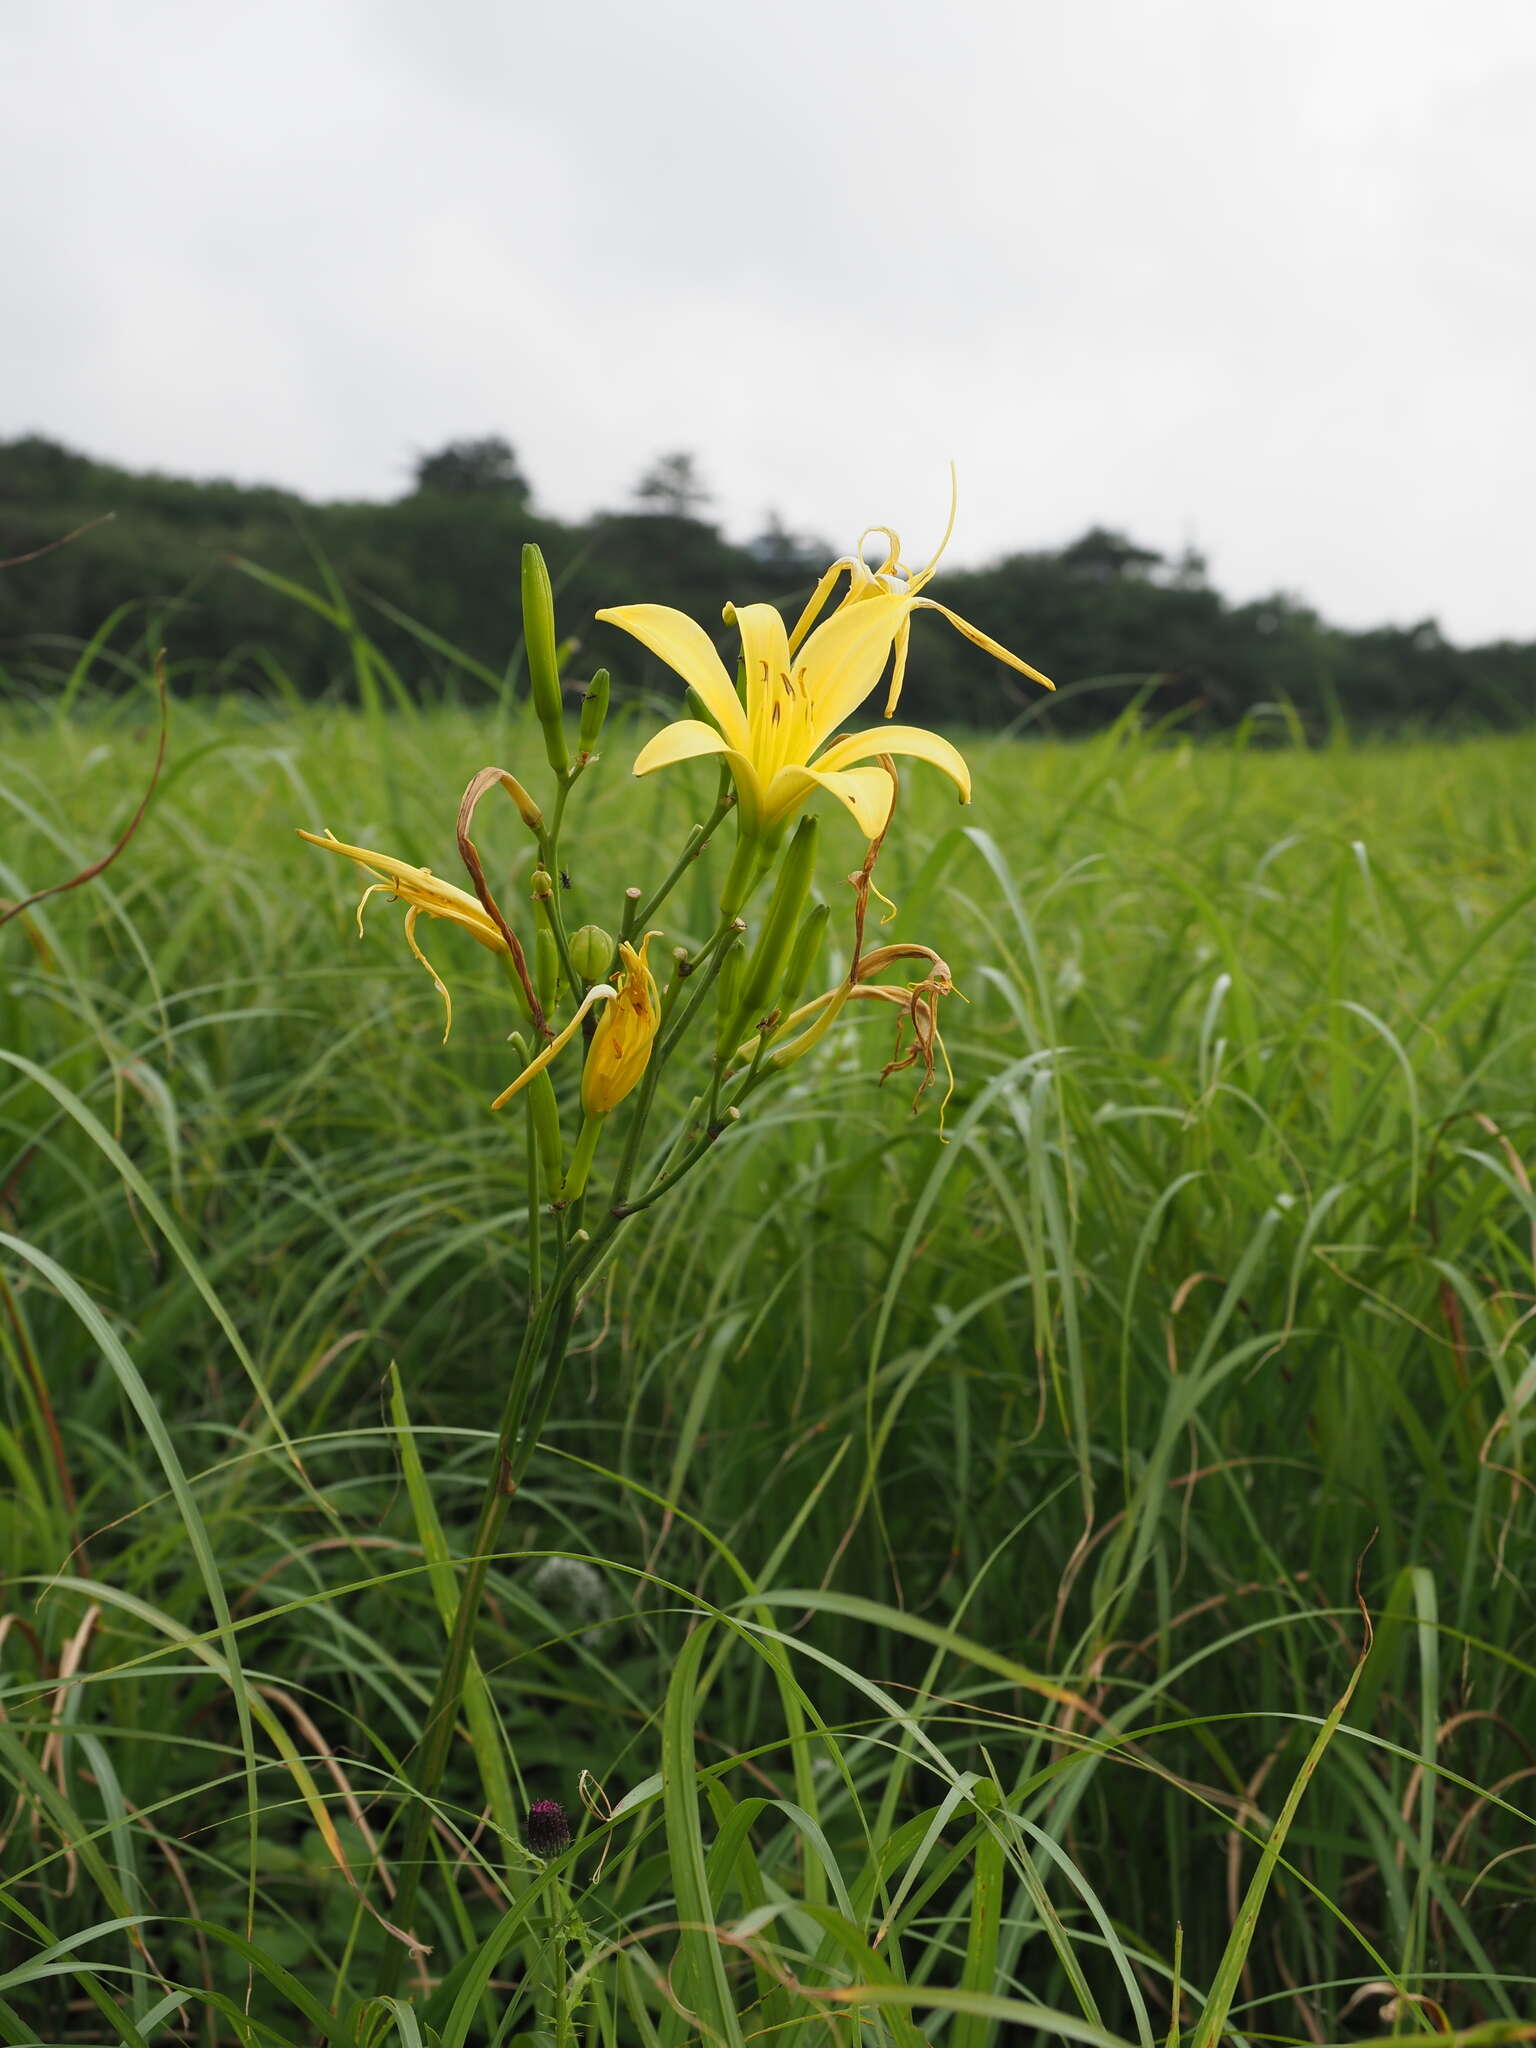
(898, 739)
(765, 655)
(683, 644)
(418, 886)
(689, 739)
(437, 981)
(899, 665)
(975, 635)
(841, 662)
(602, 993)
(868, 793)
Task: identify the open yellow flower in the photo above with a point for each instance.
(801, 687)
(420, 890)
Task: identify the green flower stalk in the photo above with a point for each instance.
(731, 1018)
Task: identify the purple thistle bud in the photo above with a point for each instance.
(548, 1829)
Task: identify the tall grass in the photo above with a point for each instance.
(943, 1567)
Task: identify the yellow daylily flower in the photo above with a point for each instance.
(801, 687)
(420, 890)
(621, 1045)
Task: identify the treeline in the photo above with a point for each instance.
(173, 563)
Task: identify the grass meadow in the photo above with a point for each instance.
(1073, 1582)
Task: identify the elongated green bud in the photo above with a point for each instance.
(803, 955)
(591, 952)
(544, 1115)
(546, 954)
(546, 968)
(594, 709)
(728, 984)
(765, 970)
(543, 658)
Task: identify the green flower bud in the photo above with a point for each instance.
(592, 952)
(543, 657)
(546, 967)
(765, 970)
(803, 955)
(594, 709)
(728, 984)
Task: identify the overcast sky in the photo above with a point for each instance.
(1254, 276)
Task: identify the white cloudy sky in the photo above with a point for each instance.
(1256, 274)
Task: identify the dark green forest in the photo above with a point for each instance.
(432, 577)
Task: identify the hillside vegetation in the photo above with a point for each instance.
(1100, 615)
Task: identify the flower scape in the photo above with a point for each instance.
(733, 1011)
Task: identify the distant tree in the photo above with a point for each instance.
(487, 467)
(35, 467)
(672, 487)
(1190, 570)
(780, 552)
(1103, 555)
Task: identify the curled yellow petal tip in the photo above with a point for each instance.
(600, 993)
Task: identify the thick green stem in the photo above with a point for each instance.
(510, 1459)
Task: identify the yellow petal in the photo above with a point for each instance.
(925, 574)
(687, 739)
(842, 660)
(765, 656)
(418, 886)
(868, 792)
(437, 981)
(683, 644)
(845, 565)
(975, 634)
(684, 740)
(899, 739)
(601, 993)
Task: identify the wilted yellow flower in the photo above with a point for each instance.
(621, 1044)
(420, 890)
(780, 746)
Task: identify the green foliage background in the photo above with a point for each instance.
(1218, 1298)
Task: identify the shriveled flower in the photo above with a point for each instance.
(421, 891)
(800, 688)
(916, 1003)
(621, 1044)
